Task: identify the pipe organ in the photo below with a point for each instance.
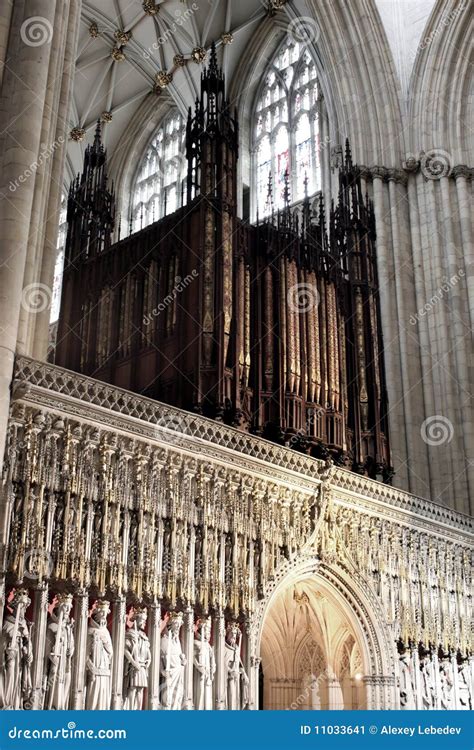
(272, 328)
(148, 523)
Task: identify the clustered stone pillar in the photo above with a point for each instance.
(155, 638)
(219, 646)
(425, 262)
(37, 44)
(118, 638)
(80, 636)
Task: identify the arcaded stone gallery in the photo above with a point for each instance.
(236, 308)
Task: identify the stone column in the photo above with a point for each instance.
(40, 620)
(464, 195)
(437, 683)
(417, 678)
(454, 666)
(188, 650)
(5, 21)
(335, 696)
(251, 664)
(118, 641)
(388, 310)
(40, 336)
(81, 611)
(254, 677)
(407, 344)
(42, 178)
(20, 123)
(154, 635)
(457, 263)
(371, 689)
(220, 683)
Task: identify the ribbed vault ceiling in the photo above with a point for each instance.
(115, 74)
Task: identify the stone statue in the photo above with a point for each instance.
(99, 660)
(446, 682)
(407, 681)
(427, 680)
(16, 654)
(237, 697)
(204, 667)
(58, 655)
(137, 661)
(173, 661)
(464, 683)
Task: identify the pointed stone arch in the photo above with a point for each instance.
(440, 101)
(353, 596)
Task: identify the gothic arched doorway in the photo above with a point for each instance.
(318, 648)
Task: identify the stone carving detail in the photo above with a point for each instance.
(204, 667)
(446, 669)
(16, 654)
(179, 424)
(99, 659)
(58, 655)
(465, 682)
(236, 677)
(173, 661)
(98, 501)
(407, 678)
(137, 661)
(428, 679)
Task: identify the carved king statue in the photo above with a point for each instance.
(237, 680)
(137, 661)
(16, 654)
(173, 661)
(99, 659)
(58, 654)
(204, 667)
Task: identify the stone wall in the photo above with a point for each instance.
(124, 504)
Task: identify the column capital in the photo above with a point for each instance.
(462, 170)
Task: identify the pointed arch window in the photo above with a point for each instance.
(286, 129)
(158, 188)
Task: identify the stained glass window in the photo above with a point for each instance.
(158, 189)
(286, 130)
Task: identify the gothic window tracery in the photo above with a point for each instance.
(158, 184)
(286, 130)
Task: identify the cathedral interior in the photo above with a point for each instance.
(236, 308)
